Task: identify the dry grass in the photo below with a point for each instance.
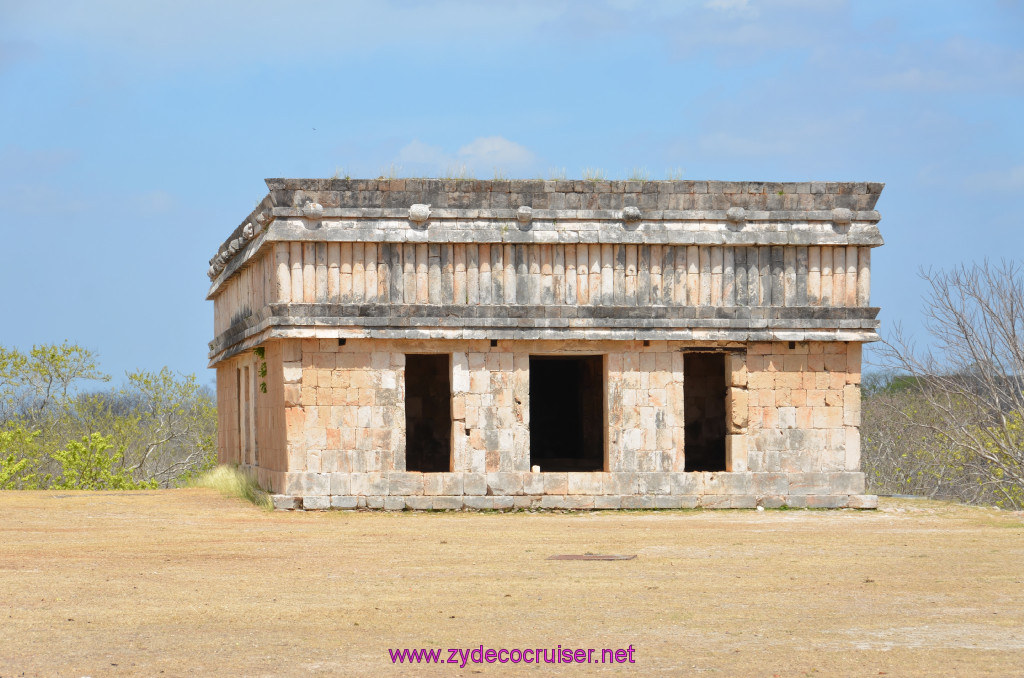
(189, 582)
(231, 481)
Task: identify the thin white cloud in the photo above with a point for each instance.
(418, 153)
(955, 65)
(495, 152)
(481, 156)
(154, 202)
(734, 8)
(727, 143)
(241, 31)
(1008, 180)
(778, 133)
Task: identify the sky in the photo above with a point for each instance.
(134, 136)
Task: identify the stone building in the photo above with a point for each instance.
(444, 344)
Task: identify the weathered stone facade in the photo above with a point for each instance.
(756, 295)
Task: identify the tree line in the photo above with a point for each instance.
(945, 421)
(60, 430)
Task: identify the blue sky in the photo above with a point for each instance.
(135, 135)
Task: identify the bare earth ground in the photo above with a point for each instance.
(185, 582)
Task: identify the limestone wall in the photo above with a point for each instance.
(791, 438)
(250, 420)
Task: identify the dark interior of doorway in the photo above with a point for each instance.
(704, 408)
(567, 413)
(428, 413)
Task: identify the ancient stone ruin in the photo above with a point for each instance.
(447, 344)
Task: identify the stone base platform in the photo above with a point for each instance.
(398, 491)
(569, 502)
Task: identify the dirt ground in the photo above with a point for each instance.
(185, 582)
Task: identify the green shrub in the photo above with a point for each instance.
(94, 464)
(19, 459)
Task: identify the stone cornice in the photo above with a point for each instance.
(708, 323)
(402, 207)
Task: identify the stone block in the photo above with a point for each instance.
(851, 406)
(369, 484)
(533, 483)
(416, 503)
(432, 484)
(478, 503)
(503, 483)
(863, 501)
(772, 501)
(688, 501)
(292, 372)
(284, 502)
(619, 483)
(736, 453)
(667, 501)
(852, 448)
(553, 501)
(447, 503)
(737, 407)
(504, 502)
(451, 484)
(341, 483)
(405, 483)
(579, 502)
(392, 503)
(307, 484)
(729, 483)
(556, 483)
(525, 502)
(607, 502)
(827, 500)
(794, 461)
(687, 483)
(654, 483)
(715, 501)
(802, 484)
(638, 502)
(770, 484)
(474, 484)
(736, 367)
(585, 483)
(743, 501)
(316, 503)
(344, 502)
(291, 351)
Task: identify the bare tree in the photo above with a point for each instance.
(969, 380)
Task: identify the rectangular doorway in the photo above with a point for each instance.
(567, 413)
(428, 413)
(704, 408)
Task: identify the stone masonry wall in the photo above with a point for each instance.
(791, 428)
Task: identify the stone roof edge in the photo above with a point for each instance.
(576, 186)
(310, 208)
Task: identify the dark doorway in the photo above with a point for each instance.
(428, 413)
(567, 413)
(704, 406)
